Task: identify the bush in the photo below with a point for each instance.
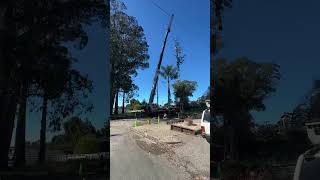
(87, 144)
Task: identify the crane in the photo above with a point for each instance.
(156, 76)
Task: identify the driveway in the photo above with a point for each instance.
(129, 159)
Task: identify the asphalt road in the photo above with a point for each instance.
(129, 161)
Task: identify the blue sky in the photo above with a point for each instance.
(283, 32)
(191, 25)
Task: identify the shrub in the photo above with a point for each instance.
(87, 144)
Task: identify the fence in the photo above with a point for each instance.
(32, 157)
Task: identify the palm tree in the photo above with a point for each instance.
(169, 73)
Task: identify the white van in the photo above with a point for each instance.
(205, 122)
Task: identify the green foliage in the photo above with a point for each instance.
(241, 86)
(34, 34)
(129, 88)
(144, 103)
(136, 107)
(87, 144)
(197, 106)
(128, 49)
(134, 104)
(244, 81)
(74, 129)
(182, 90)
(308, 109)
(169, 72)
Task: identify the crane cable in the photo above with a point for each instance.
(155, 4)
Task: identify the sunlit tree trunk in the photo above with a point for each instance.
(112, 98)
(116, 108)
(112, 91)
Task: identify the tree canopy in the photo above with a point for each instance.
(87, 144)
(245, 81)
(74, 129)
(241, 86)
(128, 48)
(183, 89)
(33, 35)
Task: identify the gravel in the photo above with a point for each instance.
(186, 151)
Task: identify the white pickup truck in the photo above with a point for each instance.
(205, 122)
(308, 163)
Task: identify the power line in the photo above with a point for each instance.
(164, 11)
(159, 7)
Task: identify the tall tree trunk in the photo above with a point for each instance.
(112, 98)
(123, 97)
(8, 102)
(112, 87)
(116, 108)
(212, 54)
(43, 130)
(169, 102)
(8, 107)
(20, 147)
(181, 105)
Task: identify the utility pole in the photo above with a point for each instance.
(156, 76)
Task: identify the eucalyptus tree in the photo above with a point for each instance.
(128, 47)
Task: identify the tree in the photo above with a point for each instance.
(68, 91)
(179, 55)
(87, 144)
(241, 87)
(308, 109)
(8, 85)
(169, 73)
(28, 25)
(72, 101)
(217, 7)
(205, 96)
(134, 104)
(74, 129)
(128, 48)
(144, 103)
(129, 89)
(182, 90)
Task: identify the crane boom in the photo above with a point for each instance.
(156, 76)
